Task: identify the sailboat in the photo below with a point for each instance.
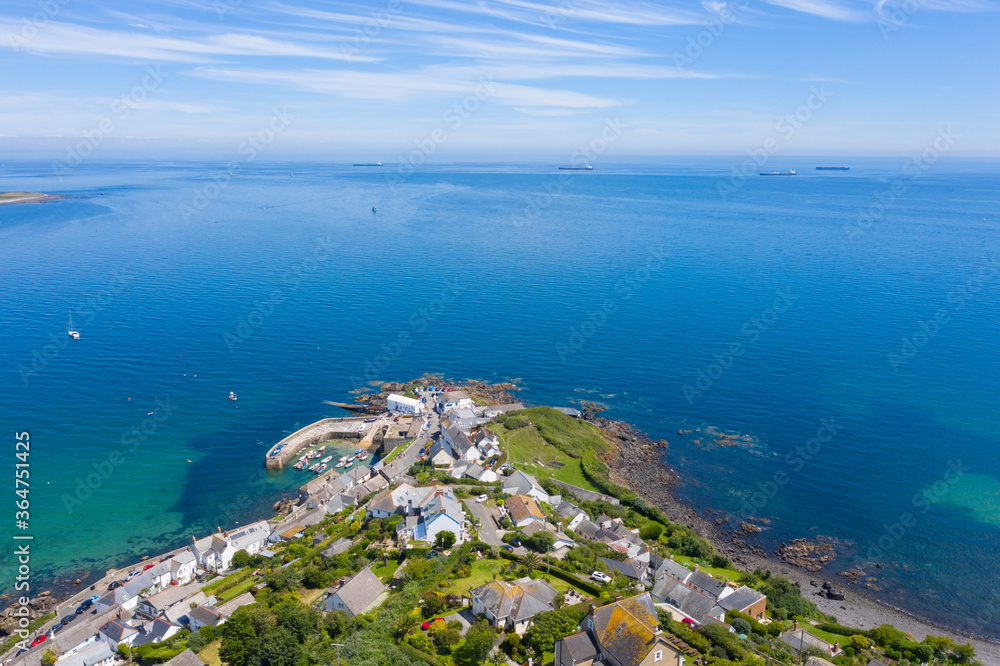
(73, 334)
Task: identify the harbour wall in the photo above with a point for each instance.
(339, 428)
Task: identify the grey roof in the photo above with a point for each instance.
(186, 658)
(567, 509)
(577, 648)
(475, 471)
(523, 482)
(115, 597)
(170, 596)
(520, 601)
(337, 547)
(801, 639)
(569, 411)
(138, 584)
(94, 654)
(206, 615)
(629, 568)
(383, 502)
(686, 599)
(674, 570)
(741, 599)
(361, 591)
(713, 587)
(587, 529)
(155, 631)
(117, 630)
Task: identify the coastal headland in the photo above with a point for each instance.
(604, 465)
(27, 197)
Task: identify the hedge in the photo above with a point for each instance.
(414, 653)
(561, 573)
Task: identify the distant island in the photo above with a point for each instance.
(27, 197)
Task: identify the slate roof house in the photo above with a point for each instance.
(623, 633)
(215, 552)
(510, 607)
(634, 570)
(798, 640)
(357, 595)
(686, 601)
(743, 599)
(99, 653)
(116, 632)
(428, 511)
(520, 483)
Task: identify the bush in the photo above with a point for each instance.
(742, 626)
(721, 562)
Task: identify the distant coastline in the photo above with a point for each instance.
(27, 197)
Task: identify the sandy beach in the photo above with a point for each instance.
(27, 197)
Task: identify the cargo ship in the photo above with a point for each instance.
(790, 172)
(583, 168)
(840, 168)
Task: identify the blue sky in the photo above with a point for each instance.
(500, 77)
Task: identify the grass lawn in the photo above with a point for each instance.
(825, 635)
(525, 444)
(237, 590)
(210, 653)
(308, 596)
(482, 573)
(385, 572)
(396, 451)
(728, 574)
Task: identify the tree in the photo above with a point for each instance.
(241, 559)
(479, 641)
(49, 657)
(237, 636)
(295, 617)
(859, 642)
(549, 627)
(404, 623)
(540, 542)
(742, 626)
(531, 562)
(315, 578)
(280, 580)
(276, 647)
(444, 540)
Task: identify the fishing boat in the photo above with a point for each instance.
(339, 464)
(232, 396)
(322, 468)
(326, 460)
(321, 449)
(350, 460)
(363, 456)
(343, 458)
(70, 330)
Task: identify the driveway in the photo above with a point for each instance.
(487, 532)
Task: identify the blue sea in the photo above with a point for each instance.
(842, 327)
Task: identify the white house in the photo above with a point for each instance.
(520, 483)
(182, 567)
(488, 443)
(97, 653)
(455, 400)
(214, 616)
(404, 405)
(215, 552)
(116, 632)
(461, 447)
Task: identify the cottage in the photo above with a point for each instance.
(155, 631)
(624, 633)
(157, 604)
(524, 510)
(215, 552)
(116, 632)
(488, 443)
(186, 658)
(634, 570)
(404, 405)
(520, 483)
(510, 607)
(685, 602)
(798, 640)
(182, 567)
(115, 598)
(455, 400)
(214, 616)
(358, 595)
(571, 513)
(98, 653)
(339, 546)
(480, 473)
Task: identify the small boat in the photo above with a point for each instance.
(577, 168)
(368, 164)
(72, 333)
(350, 460)
(322, 468)
(232, 396)
(321, 449)
(327, 459)
(790, 172)
(339, 464)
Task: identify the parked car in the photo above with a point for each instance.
(68, 618)
(95, 598)
(600, 577)
(132, 574)
(482, 498)
(82, 608)
(509, 548)
(428, 623)
(148, 566)
(688, 621)
(114, 584)
(40, 638)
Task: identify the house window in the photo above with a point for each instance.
(658, 655)
(590, 624)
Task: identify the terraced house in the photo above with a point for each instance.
(623, 633)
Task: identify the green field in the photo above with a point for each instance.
(526, 444)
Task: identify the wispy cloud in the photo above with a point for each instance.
(822, 8)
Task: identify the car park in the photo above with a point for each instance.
(482, 498)
(600, 577)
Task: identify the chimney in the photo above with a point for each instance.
(193, 540)
(618, 597)
(695, 567)
(671, 558)
(218, 529)
(795, 627)
(836, 647)
(592, 608)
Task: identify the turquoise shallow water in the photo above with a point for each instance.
(630, 284)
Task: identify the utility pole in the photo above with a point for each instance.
(338, 646)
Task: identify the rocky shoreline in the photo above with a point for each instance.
(637, 464)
